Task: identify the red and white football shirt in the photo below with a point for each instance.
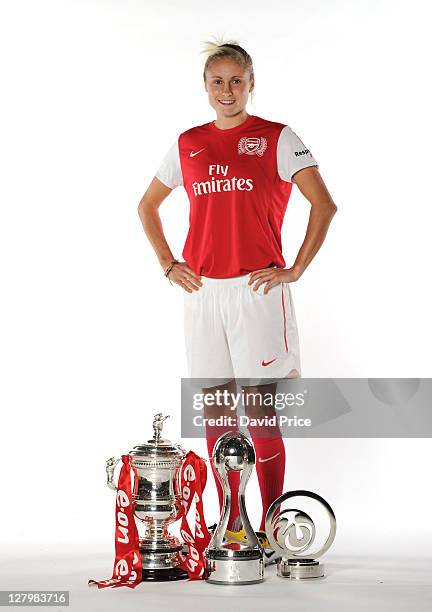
(238, 182)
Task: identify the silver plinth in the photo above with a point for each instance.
(297, 562)
(227, 562)
(156, 502)
(300, 569)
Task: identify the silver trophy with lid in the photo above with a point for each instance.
(156, 502)
(228, 562)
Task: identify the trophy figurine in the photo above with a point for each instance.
(296, 561)
(227, 562)
(156, 503)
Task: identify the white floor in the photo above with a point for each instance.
(351, 583)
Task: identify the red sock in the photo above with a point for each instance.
(233, 479)
(270, 466)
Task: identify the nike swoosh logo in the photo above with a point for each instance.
(268, 554)
(193, 153)
(266, 363)
(261, 460)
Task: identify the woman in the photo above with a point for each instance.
(238, 172)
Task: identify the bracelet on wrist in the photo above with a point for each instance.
(170, 267)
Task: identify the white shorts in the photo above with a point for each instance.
(232, 331)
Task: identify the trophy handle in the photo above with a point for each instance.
(110, 467)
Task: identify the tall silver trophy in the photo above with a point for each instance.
(292, 532)
(156, 503)
(227, 562)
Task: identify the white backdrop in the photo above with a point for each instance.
(94, 92)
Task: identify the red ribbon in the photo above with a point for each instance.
(127, 565)
(193, 478)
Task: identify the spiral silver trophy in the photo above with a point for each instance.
(297, 561)
(156, 502)
(228, 562)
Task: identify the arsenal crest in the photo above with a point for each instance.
(252, 146)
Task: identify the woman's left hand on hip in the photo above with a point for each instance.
(272, 277)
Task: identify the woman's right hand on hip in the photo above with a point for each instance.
(182, 275)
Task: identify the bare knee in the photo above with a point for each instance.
(224, 405)
(293, 374)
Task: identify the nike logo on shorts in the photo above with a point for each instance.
(266, 363)
(261, 460)
(193, 153)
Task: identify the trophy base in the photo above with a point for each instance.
(235, 571)
(161, 564)
(299, 569)
(163, 575)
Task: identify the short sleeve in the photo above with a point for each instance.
(292, 154)
(169, 171)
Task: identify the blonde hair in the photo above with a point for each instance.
(229, 48)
